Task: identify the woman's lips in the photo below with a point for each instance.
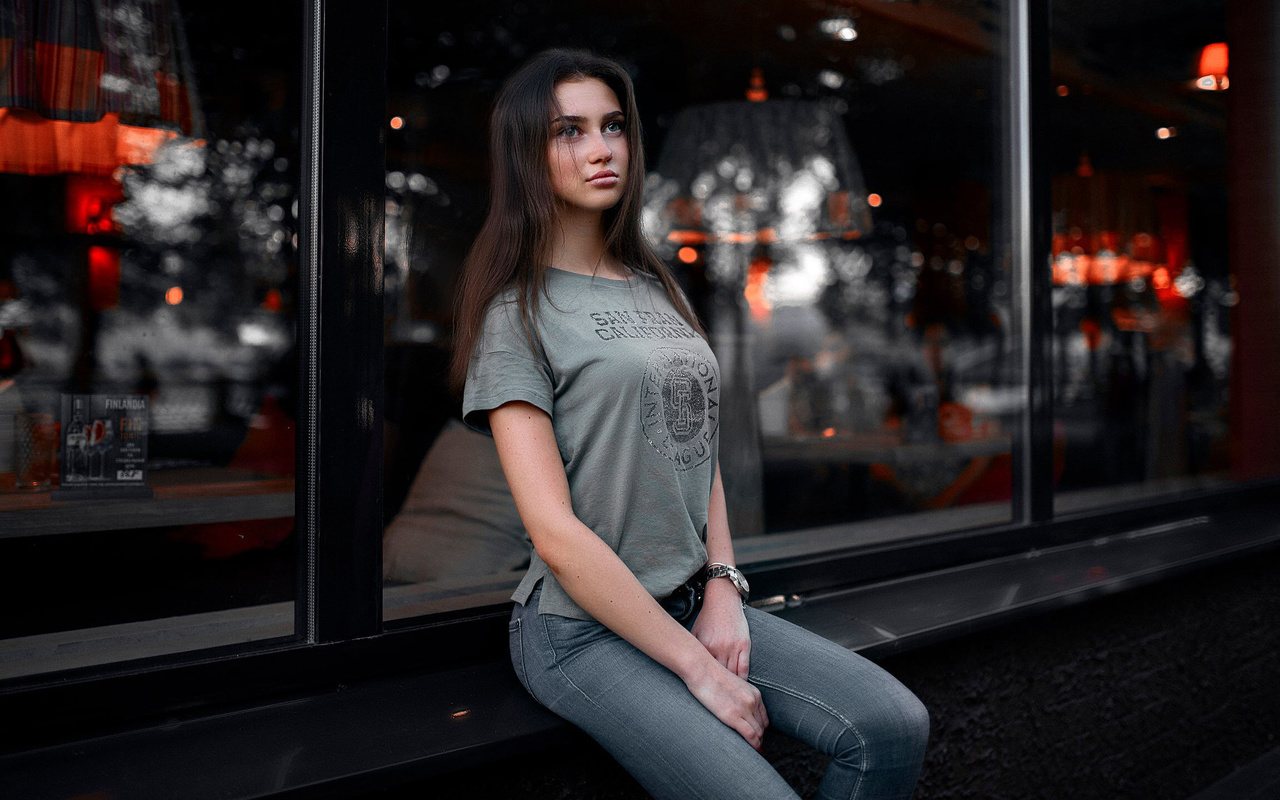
(603, 178)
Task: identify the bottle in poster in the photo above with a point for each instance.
(104, 446)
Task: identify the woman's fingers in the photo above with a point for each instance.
(742, 667)
(734, 702)
(750, 730)
(758, 710)
(757, 718)
(763, 713)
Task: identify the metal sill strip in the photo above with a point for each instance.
(391, 731)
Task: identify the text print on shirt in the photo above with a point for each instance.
(640, 325)
(680, 405)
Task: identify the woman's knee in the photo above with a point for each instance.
(897, 722)
(891, 736)
(916, 718)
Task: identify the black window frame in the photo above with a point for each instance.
(340, 636)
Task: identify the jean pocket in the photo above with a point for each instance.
(567, 636)
(516, 644)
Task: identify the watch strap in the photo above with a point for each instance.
(717, 570)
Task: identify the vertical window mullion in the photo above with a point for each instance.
(343, 486)
(1031, 228)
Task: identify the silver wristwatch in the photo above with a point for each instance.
(717, 570)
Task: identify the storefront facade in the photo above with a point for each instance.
(985, 280)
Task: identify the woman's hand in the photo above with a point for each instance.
(735, 702)
(722, 627)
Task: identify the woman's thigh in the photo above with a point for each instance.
(838, 702)
(638, 710)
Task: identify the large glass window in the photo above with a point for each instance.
(149, 162)
(1163, 297)
(825, 181)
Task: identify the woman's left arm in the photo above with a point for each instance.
(721, 626)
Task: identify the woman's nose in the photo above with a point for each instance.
(600, 149)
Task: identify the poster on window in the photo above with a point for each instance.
(104, 445)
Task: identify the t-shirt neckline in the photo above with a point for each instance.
(626, 283)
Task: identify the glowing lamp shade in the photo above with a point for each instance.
(86, 87)
(1212, 72)
(757, 173)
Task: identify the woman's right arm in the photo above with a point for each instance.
(597, 580)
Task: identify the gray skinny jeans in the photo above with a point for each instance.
(642, 713)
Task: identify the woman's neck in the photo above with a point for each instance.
(578, 246)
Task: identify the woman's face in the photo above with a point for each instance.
(587, 154)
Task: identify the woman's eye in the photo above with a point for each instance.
(614, 126)
(570, 132)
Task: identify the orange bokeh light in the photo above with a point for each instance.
(173, 296)
(874, 200)
(687, 254)
(757, 272)
(1160, 278)
(397, 123)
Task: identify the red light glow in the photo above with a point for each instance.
(173, 296)
(104, 277)
(874, 200)
(397, 123)
(687, 254)
(273, 302)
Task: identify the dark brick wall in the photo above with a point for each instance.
(1152, 693)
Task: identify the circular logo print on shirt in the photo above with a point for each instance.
(680, 405)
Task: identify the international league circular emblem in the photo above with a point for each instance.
(680, 405)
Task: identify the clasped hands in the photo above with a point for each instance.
(722, 629)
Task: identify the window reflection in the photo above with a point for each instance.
(823, 185)
(148, 207)
(1145, 279)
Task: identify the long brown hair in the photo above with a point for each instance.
(509, 250)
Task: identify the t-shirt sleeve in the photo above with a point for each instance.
(504, 367)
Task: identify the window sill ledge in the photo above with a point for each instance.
(384, 732)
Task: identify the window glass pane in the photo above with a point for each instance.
(149, 165)
(1164, 294)
(839, 233)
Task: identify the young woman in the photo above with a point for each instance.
(583, 358)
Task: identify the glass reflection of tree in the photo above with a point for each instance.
(212, 220)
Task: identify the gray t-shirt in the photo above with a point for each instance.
(634, 397)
